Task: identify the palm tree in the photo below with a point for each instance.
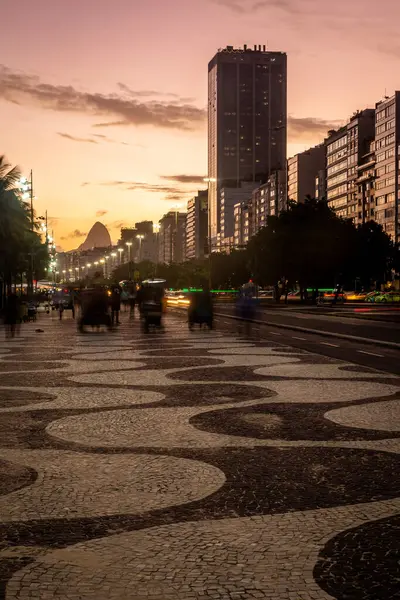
(12, 209)
(14, 222)
(9, 176)
(19, 241)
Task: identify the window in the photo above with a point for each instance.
(381, 184)
(380, 116)
(380, 200)
(386, 112)
(385, 183)
(341, 189)
(337, 179)
(339, 167)
(336, 145)
(337, 156)
(381, 128)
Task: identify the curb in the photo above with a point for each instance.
(343, 336)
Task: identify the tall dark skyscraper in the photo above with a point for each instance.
(247, 120)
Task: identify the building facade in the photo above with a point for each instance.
(171, 238)
(366, 185)
(269, 199)
(197, 226)
(250, 214)
(229, 198)
(243, 221)
(139, 243)
(247, 121)
(303, 168)
(387, 152)
(345, 149)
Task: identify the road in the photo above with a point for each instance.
(195, 465)
(319, 330)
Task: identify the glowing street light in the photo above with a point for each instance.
(209, 180)
(120, 251)
(140, 237)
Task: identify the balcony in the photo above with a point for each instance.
(366, 176)
(370, 163)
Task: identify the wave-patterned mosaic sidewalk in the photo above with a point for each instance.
(193, 465)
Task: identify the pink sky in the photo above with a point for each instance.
(70, 65)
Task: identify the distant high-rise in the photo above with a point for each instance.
(247, 121)
(196, 226)
(302, 172)
(172, 234)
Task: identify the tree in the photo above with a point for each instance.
(375, 254)
(230, 270)
(18, 243)
(307, 244)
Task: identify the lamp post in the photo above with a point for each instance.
(174, 247)
(129, 244)
(140, 237)
(113, 255)
(156, 231)
(26, 186)
(120, 250)
(209, 180)
(106, 259)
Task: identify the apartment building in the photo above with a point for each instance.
(197, 226)
(387, 151)
(247, 122)
(345, 149)
(303, 168)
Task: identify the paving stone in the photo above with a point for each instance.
(193, 465)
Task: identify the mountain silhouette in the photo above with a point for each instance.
(98, 237)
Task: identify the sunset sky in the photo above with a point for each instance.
(105, 100)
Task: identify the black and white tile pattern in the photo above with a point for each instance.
(194, 465)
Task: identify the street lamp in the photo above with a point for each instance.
(209, 180)
(140, 237)
(156, 230)
(120, 250)
(129, 244)
(26, 187)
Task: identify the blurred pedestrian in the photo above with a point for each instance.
(115, 304)
(61, 309)
(12, 315)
